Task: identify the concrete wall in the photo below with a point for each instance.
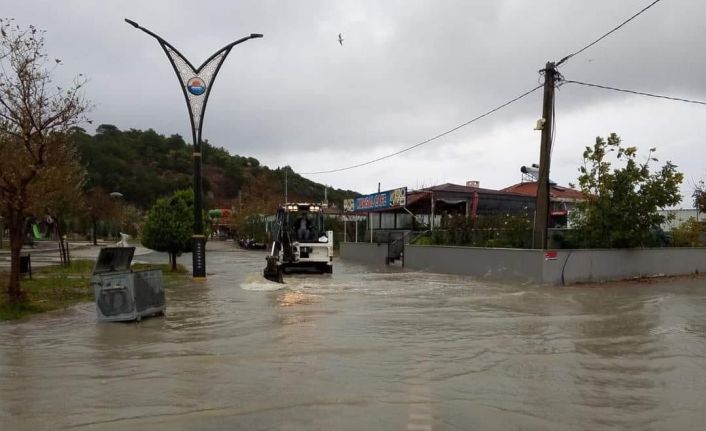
(531, 266)
(615, 264)
(364, 252)
(494, 263)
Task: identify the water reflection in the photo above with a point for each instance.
(614, 371)
(365, 349)
(291, 298)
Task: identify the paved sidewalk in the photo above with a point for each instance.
(48, 246)
(47, 252)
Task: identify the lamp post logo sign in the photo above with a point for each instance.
(196, 86)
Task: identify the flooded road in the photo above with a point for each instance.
(370, 349)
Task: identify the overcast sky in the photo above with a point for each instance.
(407, 71)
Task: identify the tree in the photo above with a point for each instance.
(621, 206)
(99, 206)
(688, 234)
(699, 196)
(38, 167)
(169, 225)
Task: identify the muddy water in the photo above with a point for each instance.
(369, 349)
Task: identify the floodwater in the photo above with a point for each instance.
(366, 349)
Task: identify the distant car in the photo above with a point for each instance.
(251, 244)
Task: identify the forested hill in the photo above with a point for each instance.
(144, 166)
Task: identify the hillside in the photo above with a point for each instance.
(144, 165)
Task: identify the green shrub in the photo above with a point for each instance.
(688, 234)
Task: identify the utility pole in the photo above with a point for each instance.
(542, 210)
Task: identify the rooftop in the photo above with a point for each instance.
(555, 192)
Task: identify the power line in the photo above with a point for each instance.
(607, 34)
(527, 93)
(605, 87)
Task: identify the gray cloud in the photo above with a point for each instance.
(407, 71)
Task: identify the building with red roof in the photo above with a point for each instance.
(562, 199)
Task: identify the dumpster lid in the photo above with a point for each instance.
(114, 259)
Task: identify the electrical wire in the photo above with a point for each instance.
(440, 135)
(607, 34)
(605, 87)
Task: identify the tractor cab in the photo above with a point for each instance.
(300, 241)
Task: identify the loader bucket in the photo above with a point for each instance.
(273, 272)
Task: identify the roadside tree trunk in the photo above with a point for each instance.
(172, 260)
(17, 235)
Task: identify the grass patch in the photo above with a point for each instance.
(46, 293)
(58, 287)
(165, 267)
(170, 277)
(76, 267)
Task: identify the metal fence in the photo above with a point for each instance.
(489, 237)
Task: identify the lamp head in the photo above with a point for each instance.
(132, 23)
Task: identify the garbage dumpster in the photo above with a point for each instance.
(122, 294)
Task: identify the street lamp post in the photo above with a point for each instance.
(196, 84)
